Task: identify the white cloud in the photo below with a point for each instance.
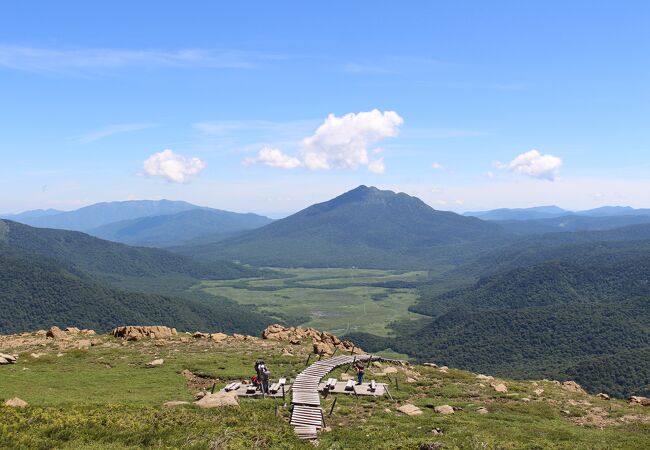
(173, 167)
(110, 130)
(340, 143)
(377, 166)
(535, 165)
(437, 166)
(273, 157)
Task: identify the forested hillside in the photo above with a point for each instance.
(38, 293)
(365, 227)
(111, 259)
(555, 320)
(68, 278)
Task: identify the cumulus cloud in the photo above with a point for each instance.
(339, 143)
(533, 164)
(173, 167)
(377, 166)
(437, 166)
(273, 157)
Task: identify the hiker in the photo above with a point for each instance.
(264, 375)
(360, 373)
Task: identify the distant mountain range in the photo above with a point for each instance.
(549, 212)
(364, 227)
(153, 223)
(69, 278)
(174, 229)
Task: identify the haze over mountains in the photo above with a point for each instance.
(153, 223)
(517, 293)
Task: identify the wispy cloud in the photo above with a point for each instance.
(111, 130)
(93, 60)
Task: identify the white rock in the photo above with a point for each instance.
(155, 363)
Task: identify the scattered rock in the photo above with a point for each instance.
(56, 333)
(88, 332)
(603, 396)
(16, 403)
(286, 352)
(499, 387)
(525, 399)
(155, 363)
(444, 409)
(58, 355)
(538, 392)
(195, 381)
(72, 330)
(133, 333)
(411, 380)
(40, 333)
(199, 335)
(572, 386)
(175, 403)
(443, 369)
(436, 431)
(410, 410)
(637, 400)
(484, 377)
(322, 348)
(428, 364)
(218, 337)
(482, 410)
(7, 359)
(298, 335)
(36, 355)
(217, 400)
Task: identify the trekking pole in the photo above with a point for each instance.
(336, 349)
(283, 393)
(320, 356)
(352, 351)
(308, 358)
(332, 408)
(397, 382)
(354, 389)
(213, 386)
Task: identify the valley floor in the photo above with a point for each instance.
(104, 396)
(335, 300)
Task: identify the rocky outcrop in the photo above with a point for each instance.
(323, 342)
(499, 387)
(7, 359)
(572, 386)
(218, 337)
(637, 400)
(134, 333)
(56, 333)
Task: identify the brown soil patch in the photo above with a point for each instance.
(195, 381)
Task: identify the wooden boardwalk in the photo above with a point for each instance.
(307, 415)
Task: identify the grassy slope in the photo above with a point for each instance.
(105, 397)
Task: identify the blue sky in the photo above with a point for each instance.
(272, 106)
